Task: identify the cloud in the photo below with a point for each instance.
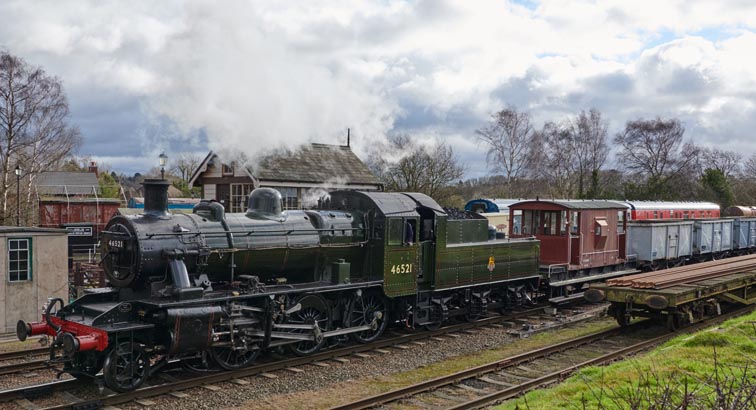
(247, 76)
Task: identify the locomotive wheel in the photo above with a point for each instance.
(126, 367)
(230, 358)
(198, 364)
(314, 311)
(622, 319)
(362, 311)
(432, 326)
(674, 321)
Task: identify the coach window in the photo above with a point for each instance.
(19, 260)
(685, 214)
(563, 223)
(656, 214)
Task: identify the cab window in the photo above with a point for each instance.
(395, 231)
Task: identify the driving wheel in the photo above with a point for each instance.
(126, 367)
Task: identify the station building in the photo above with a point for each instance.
(34, 265)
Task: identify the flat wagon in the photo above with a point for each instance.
(679, 304)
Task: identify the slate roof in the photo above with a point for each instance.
(315, 163)
(62, 183)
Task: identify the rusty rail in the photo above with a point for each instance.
(675, 276)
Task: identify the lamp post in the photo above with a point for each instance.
(18, 196)
(163, 160)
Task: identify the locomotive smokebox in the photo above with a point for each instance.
(156, 197)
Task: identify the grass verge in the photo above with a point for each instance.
(715, 368)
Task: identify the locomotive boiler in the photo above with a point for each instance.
(215, 290)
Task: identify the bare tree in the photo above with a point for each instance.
(655, 151)
(508, 137)
(34, 132)
(590, 150)
(727, 162)
(557, 161)
(185, 165)
(429, 169)
(749, 168)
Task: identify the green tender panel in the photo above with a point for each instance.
(680, 294)
(405, 264)
(467, 264)
(466, 230)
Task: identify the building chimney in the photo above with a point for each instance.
(93, 168)
(156, 197)
(348, 136)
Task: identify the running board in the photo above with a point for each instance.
(564, 299)
(594, 277)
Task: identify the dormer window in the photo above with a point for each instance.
(227, 170)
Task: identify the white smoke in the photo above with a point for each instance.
(232, 73)
(312, 196)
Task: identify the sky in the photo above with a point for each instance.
(143, 77)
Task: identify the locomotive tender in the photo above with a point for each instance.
(211, 288)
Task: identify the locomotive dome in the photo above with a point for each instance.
(265, 202)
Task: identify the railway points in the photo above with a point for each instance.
(30, 393)
(504, 379)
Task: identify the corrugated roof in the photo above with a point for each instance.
(57, 199)
(316, 163)
(30, 229)
(492, 205)
(577, 204)
(63, 182)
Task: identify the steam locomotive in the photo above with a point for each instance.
(215, 290)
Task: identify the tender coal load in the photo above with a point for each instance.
(455, 213)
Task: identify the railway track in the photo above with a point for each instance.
(32, 392)
(21, 354)
(504, 379)
(23, 366)
(30, 357)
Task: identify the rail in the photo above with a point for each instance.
(151, 391)
(509, 391)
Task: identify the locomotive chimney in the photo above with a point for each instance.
(156, 197)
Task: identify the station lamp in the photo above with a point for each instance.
(163, 160)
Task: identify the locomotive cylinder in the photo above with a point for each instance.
(192, 327)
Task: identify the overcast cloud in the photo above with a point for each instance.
(234, 76)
